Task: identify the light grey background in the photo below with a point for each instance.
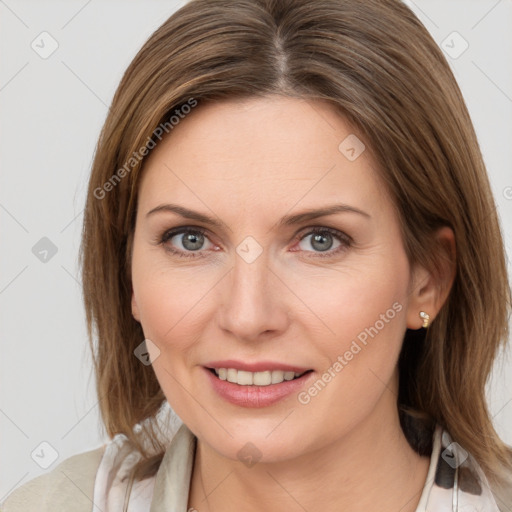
(52, 112)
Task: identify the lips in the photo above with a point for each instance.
(250, 394)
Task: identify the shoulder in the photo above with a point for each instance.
(100, 477)
(70, 486)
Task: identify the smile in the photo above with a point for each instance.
(263, 378)
(255, 389)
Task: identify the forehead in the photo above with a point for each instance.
(277, 123)
(252, 151)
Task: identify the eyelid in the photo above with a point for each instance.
(169, 233)
(345, 240)
(324, 229)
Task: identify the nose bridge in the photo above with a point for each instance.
(253, 301)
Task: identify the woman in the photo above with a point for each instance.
(290, 239)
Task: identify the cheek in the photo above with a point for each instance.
(367, 317)
(168, 299)
(357, 297)
(364, 311)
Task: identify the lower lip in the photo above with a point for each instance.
(256, 396)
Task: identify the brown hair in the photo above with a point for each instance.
(379, 67)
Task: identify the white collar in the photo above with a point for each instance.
(172, 484)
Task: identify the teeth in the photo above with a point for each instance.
(244, 378)
(277, 376)
(232, 375)
(261, 378)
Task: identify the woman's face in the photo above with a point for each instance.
(249, 277)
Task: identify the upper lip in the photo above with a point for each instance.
(259, 366)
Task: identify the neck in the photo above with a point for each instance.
(372, 464)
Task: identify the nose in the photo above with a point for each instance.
(253, 303)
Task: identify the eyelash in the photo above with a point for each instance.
(345, 240)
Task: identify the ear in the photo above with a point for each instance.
(135, 308)
(431, 289)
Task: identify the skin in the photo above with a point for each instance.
(249, 163)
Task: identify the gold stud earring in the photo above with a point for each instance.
(426, 319)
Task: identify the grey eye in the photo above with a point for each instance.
(319, 241)
(189, 240)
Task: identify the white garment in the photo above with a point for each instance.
(454, 483)
(112, 479)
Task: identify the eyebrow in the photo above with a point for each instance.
(287, 220)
